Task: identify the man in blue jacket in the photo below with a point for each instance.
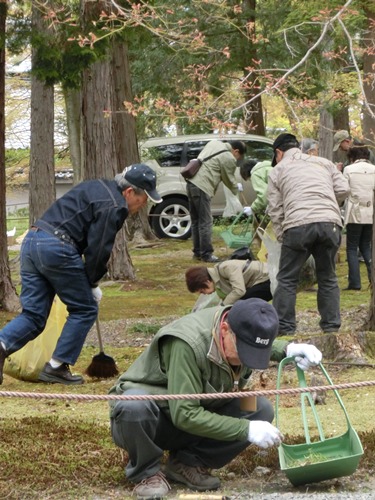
(65, 253)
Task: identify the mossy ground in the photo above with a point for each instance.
(63, 449)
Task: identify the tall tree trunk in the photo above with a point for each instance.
(124, 133)
(254, 119)
(98, 149)
(73, 99)
(325, 134)
(341, 118)
(123, 123)
(369, 78)
(8, 297)
(105, 149)
(369, 127)
(371, 318)
(98, 152)
(42, 191)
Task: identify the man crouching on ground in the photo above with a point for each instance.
(207, 352)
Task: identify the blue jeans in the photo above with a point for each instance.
(51, 267)
(201, 221)
(322, 241)
(144, 431)
(358, 236)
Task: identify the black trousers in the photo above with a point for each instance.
(259, 291)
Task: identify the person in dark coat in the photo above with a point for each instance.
(65, 253)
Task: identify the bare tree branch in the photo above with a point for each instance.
(282, 79)
(358, 71)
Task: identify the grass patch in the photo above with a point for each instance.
(63, 449)
(19, 219)
(145, 328)
(65, 458)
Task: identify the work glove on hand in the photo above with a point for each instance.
(239, 187)
(248, 211)
(264, 434)
(305, 355)
(97, 294)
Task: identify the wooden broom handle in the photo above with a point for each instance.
(99, 334)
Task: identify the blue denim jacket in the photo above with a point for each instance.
(91, 214)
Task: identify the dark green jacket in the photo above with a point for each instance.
(183, 358)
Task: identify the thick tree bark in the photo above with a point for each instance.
(254, 119)
(369, 126)
(98, 152)
(371, 318)
(124, 126)
(120, 266)
(124, 131)
(42, 191)
(341, 119)
(73, 100)
(8, 297)
(98, 149)
(109, 141)
(369, 79)
(325, 134)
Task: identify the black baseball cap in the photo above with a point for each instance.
(143, 177)
(255, 324)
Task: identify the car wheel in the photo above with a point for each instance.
(171, 219)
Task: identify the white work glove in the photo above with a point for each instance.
(305, 355)
(97, 294)
(264, 434)
(239, 187)
(248, 211)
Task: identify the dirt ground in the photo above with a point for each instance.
(113, 331)
(262, 483)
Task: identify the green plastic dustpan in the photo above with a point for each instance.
(239, 234)
(316, 461)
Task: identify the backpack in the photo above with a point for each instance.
(243, 253)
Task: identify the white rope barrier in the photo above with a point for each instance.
(167, 397)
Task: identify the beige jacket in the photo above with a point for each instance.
(360, 204)
(219, 168)
(233, 277)
(303, 189)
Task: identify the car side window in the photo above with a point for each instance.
(167, 155)
(258, 151)
(255, 150)
(192, 150)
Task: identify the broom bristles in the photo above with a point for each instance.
(102, 366)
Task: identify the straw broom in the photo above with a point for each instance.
(101, 366)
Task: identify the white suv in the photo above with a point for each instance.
(166, 155)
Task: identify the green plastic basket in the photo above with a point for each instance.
(333, 457)
(239, 233)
